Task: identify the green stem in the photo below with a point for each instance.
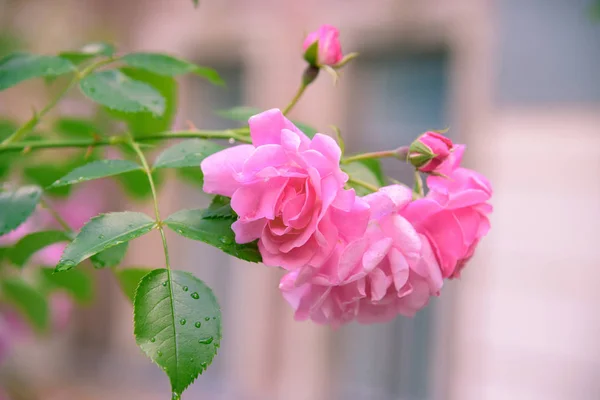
(33, 121)
(418, 188)
(400, 153)
(44, 203)
(136, 147)
(112, 140)
(362, 183)
(294, 101)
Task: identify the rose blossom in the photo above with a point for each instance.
(453, 215)
(429, 151)
(288, 192)
(391, 270)
(329, 47)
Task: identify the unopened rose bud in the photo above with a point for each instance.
(429, 151)
(322, 47)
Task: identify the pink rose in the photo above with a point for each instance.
(288, 192)
(453, 215)
(391, 270)
(429, 151)
(330, 49)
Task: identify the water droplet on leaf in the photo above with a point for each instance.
(159, 353)
(225, 240)
(153, 340)
(185, 288)
(198, 324)
(231, 140)
(207, 318)
(183, 321)
(101, 237)
(164, 283)
(195, 295)
(207, 340)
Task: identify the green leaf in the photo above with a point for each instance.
(196, 2)
(220, 208)
(188, 153)
(76, 127)
(117, 91)
(163, 64)
(16, 206)
(110, 257)
(311, 55)
(192, 175)
(18, 67)
(75, 282)
(89, 51)
(243, 114)
(374, 165)
(32, 243)
(361, 172)
(29, 301)
(7, 159)
(194, 225)
(129, 279)
(45, 174)
(177, 323)
(96, 170)
(102, 232)
(145, 123)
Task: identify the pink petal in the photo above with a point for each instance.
(266, 127)
(220, 169)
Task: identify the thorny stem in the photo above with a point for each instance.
(33, 121)
(235, 134)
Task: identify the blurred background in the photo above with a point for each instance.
(518, 81)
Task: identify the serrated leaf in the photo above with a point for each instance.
(177, 323)
(29, 301)
(117, 91)
(216, 232)
(16, 206)
(361, 172)
(243, 114)
(96, 170)
(188, 153)
(89, 51)
(220, 208)
(167, 65)
(32, 243)
(145, 123)
(76, 127)
(75, 282)
(110, 257)
(18, 67)
(103, 232)
(129, 279)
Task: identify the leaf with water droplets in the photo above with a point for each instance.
(129, 279)
(28, 300)
(96, 170)
(18, 67)
(30, 244)
(103, 232)
(188, 153)
(193, 224)
(163, 64)
(220, 207)
(110, 257)
(89, 51)
(117, 91)
(16, 206)
(183, 350)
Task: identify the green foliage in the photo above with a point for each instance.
(117, 91)
(7, 159)
(18, 67)
(129, 279)
(76, 127)
(220, 208)
(102, 232)
(96, 170)
(217, 232)
(311, 55)
(177, 323)
(75, 282)
(135, 183)
(16, 206)
(374, 165)
(110, 257)
(32, 243)
(28, 300)
(360, 171)
(243, 114)
(89, 51)
(163, 64)
(45, 174)
(188, 153)
(144, 123)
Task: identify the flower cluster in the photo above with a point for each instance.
(348, 257)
